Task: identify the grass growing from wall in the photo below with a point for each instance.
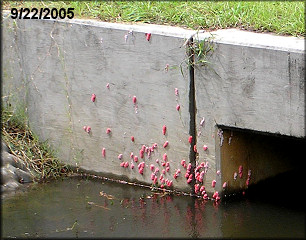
(281, 17)
(38, 156)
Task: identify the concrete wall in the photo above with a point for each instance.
(252, 84)
(64, 63)
(53, 67)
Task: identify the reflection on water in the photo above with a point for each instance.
(86, 208)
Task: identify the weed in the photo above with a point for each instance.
(198, 52)
(39, 158)
(202, 50)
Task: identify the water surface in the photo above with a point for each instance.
(91, 208)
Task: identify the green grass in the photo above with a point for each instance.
(280, 17)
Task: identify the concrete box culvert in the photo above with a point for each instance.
(253, 82)
(62, 63)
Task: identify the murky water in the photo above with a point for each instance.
(87, 208)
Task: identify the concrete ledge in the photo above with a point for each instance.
(257, 40)
(138, 27)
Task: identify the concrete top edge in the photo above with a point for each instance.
(225, 36)
(251, 39)
(139, 27)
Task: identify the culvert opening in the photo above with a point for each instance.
(262, 165)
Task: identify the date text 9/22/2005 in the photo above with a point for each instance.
(42, 13)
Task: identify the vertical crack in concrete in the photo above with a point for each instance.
(192, 109)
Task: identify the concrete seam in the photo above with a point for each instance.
(192, 109)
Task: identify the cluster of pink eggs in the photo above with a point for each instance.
(158, 176)
(155, 172)
(240, 174)
(199, 172)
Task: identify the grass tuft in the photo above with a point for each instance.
(37, 156)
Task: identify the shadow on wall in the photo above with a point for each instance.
(286, 189)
